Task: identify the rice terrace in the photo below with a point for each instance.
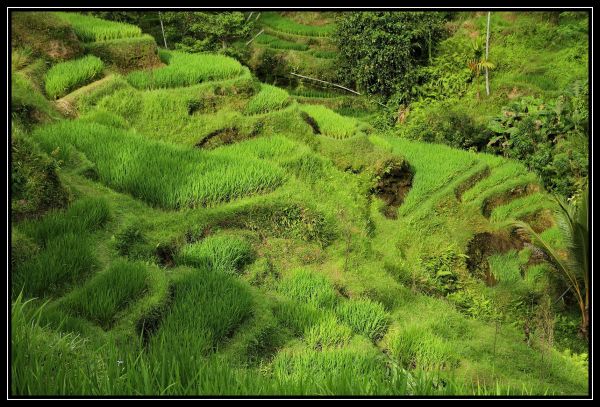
(299, 203)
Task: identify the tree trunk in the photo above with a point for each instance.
(487, 47)
(163, 30)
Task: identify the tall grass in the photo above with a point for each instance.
(310, 288)
(159, 173)
(334, 125)
(186, 69)
(280, 23)
(366, 317)
(207, 308)
(64, 77)
(509, 170)
(328, 333)
(275, 42)
(269, 98)
(64, 262)
(83, 216)
(219, 253)
(90, 29)
(108, 293)
(414, 346)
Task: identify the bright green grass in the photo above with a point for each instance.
(274, 42)
(161, 174)
(324, 54)
(297, 316)
(108, 293)
(366, 317)
(64, 262)
(269, 98)
(207, 308)
(434, 166)
(332, 124)
(505, 172)
(64, 77)
(328, 333)
(225, 254)
(310, 288)
(90, 29)
(279, 23)
(506, 267)
(185, 69)
(83, 216)
(523, 206)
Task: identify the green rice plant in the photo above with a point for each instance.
(314, 93)
(365, 317)
(310, 288)
(90, 29)
(431, 174)
(324, 54)
(506, 267)
(507, 171)
(275, 42)
(64, 262)
(327, 333)
(226, 254)
(297, 316)
(185, 69)
(415, 347)
(269, 98)
(280, 23)
(520, 207)
(332, 124)
(83, 216)
(64, 77)
(25, 99)
(207, 308)
(349, 370)
(108, 293)
(106, 87)
(159, 173)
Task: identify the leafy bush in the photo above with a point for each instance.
(67, 76)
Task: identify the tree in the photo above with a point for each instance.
(479, 61)
(379, 51)
(205, 31)
(573, 222)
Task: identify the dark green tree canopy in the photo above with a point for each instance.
(379, 50)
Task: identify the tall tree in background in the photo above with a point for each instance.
(204, 31)
(379, 51)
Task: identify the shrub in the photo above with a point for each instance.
(66, 76)
(219, 253)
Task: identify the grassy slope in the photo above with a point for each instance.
(335, 289)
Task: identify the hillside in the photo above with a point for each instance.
(181, 228)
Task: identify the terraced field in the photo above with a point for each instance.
(225, 236)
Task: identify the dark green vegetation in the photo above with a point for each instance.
(181, 227)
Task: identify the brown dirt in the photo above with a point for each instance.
(220, 137)
(311, 122)
(507, 196)
(393, 187)
(483, 245)
(540, 221)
